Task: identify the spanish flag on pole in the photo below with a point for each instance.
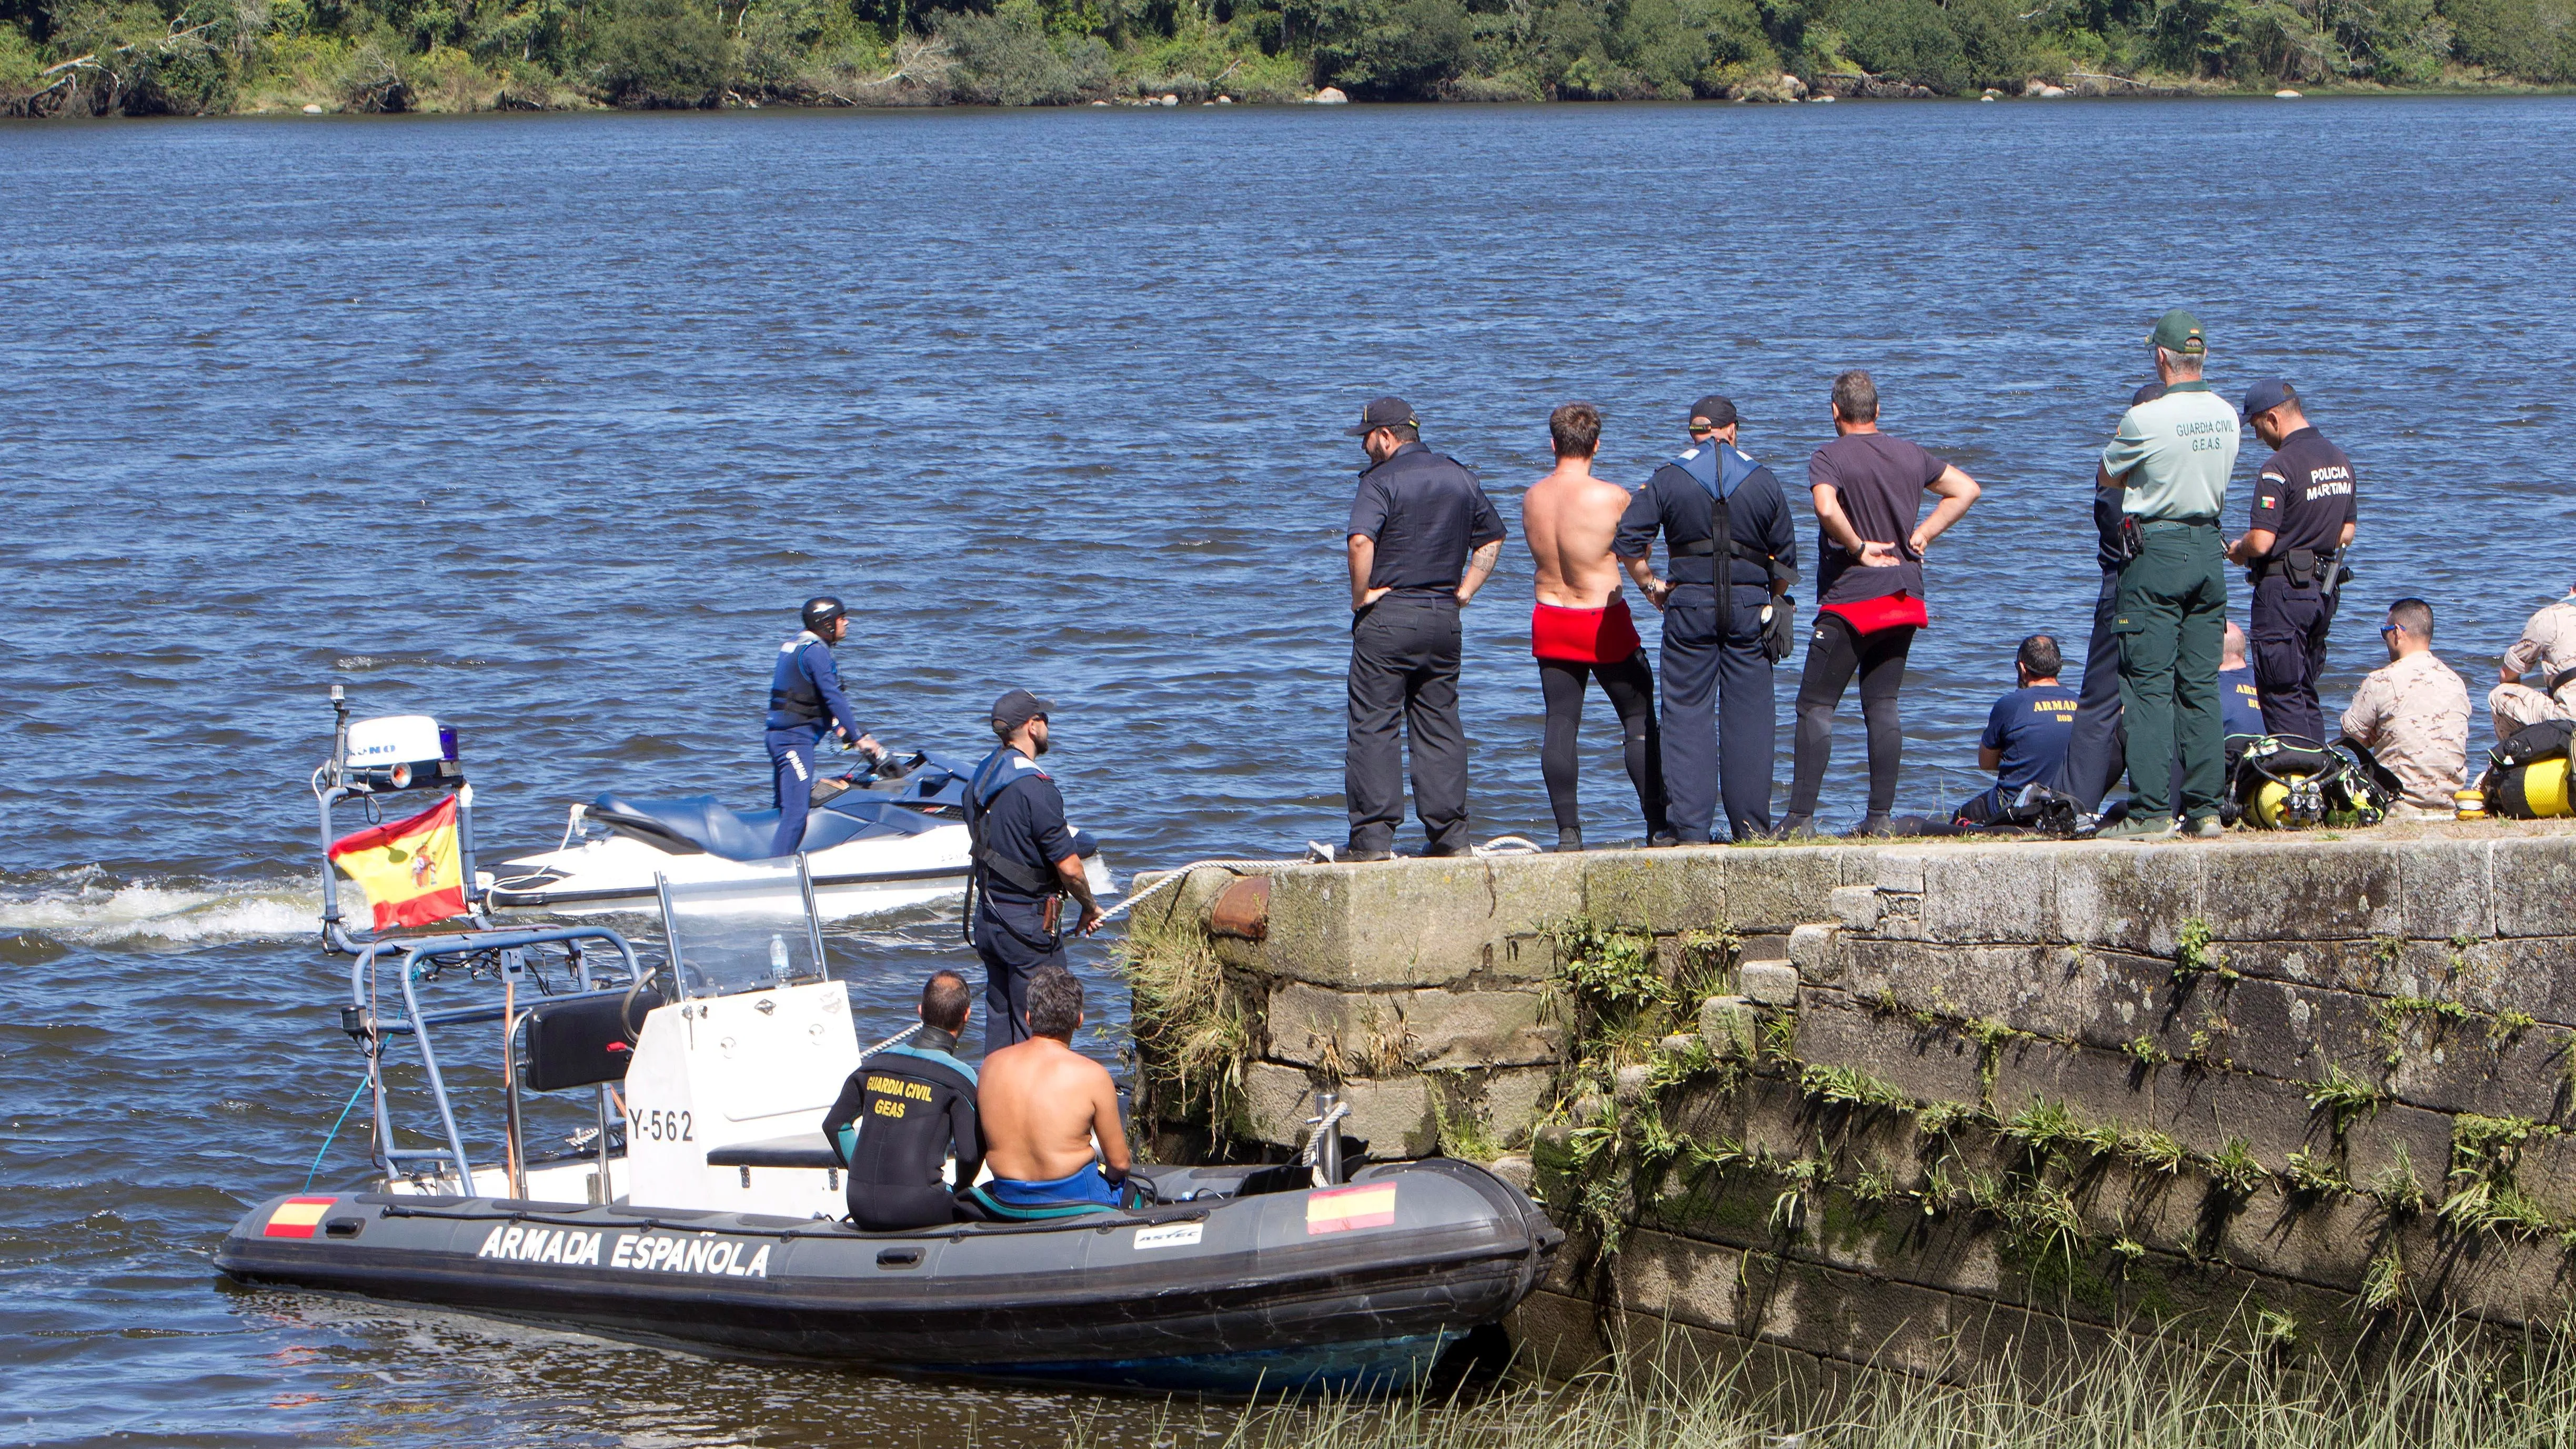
(409, 869)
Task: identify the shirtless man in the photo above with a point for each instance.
(1042, 1104)
(1581, 628)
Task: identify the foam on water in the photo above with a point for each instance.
(89, 907)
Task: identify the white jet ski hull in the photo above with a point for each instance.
(614, 874)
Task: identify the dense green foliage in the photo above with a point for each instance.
(194, 56)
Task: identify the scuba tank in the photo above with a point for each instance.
(2283, 782)
(2527, 775)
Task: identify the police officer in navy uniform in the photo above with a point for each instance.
(2097, 753)
(1716, 507)
(2293, 551)
(1026, 860)
(1423, 537)
(805, 704)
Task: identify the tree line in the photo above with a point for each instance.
(137, 57)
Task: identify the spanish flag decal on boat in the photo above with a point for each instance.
(295, 1217)
(1340, 1209)
(409, 868)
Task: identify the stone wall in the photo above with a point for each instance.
(1910, 1101)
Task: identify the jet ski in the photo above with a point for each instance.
(701, 1208)
(889, 835)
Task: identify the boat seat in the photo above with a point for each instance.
(800, 1149)
(704, 823)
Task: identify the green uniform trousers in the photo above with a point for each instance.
(2171, 615)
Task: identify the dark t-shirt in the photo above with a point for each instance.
(2304, 495)
(1426, 512)
(2240, 705)
(2031, 726)
(1880, 480)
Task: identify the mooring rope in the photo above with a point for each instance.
(1315, 855)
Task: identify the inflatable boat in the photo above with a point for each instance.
(1240, 1280)
(884, 837)
(659, 1173)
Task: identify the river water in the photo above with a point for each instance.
(544, 424)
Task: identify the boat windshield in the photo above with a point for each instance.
(743, 933)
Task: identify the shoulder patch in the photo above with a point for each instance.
(1693, 453)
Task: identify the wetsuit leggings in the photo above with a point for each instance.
(1631, 687)
(1833, 656)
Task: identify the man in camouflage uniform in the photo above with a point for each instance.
(2545, 657)
(2412, 714)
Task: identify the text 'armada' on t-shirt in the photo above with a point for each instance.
(1880, 480)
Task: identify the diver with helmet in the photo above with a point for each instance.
(806, 703)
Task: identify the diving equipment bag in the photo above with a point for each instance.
(2527, 775)
(2284, 782)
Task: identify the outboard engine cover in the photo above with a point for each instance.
(401, 752)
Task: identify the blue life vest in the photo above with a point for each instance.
(1001, 770)
(792, 690)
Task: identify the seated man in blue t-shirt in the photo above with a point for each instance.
(2026, 732)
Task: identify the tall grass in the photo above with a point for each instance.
(2443, 1388)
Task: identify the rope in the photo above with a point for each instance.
(1315, 853)
(890, 1041)
(316, 1169)
(1315, 1138)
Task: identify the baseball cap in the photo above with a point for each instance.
(2179, 331)
(1385, 412)
(2268, 394)
(1715, 411)
(1017, 707)
(2146, 394)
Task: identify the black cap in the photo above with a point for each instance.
(2146, 394)
(1017, 707)
(2268, 394)
(1713, 411)
(1385, 412)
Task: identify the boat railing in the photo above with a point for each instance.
(512, 956)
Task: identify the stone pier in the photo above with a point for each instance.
(1917, 1103)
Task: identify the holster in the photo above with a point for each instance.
(2301, 565)
(2131, 542)
(1054, 912)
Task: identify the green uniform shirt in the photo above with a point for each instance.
(2181, 447)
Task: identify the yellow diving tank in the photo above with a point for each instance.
(2537, 791)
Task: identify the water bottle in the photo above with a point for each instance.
(778, 958)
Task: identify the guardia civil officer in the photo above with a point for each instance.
(2292, 551)
(1716, 508)
(1026, 860)
(2170, 459)
(2097, 749)
(805, 704)
(1423, 537)
(901, 1116)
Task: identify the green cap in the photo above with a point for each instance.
(2179, 332)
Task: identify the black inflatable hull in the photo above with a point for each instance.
(1358, 1287)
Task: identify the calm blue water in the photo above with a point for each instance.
(544, 425)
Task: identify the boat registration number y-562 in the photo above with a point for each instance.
(663, 1124)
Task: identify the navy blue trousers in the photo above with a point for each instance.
(1719, 728)
(2097, 753)
(1012, 938)
(791, 785)
(2288, 638)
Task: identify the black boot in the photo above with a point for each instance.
(1792, 827)
(1569, 840)
(1872, 824)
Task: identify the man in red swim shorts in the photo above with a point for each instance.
(1581, 628)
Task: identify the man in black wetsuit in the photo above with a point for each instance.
(902, 1114)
